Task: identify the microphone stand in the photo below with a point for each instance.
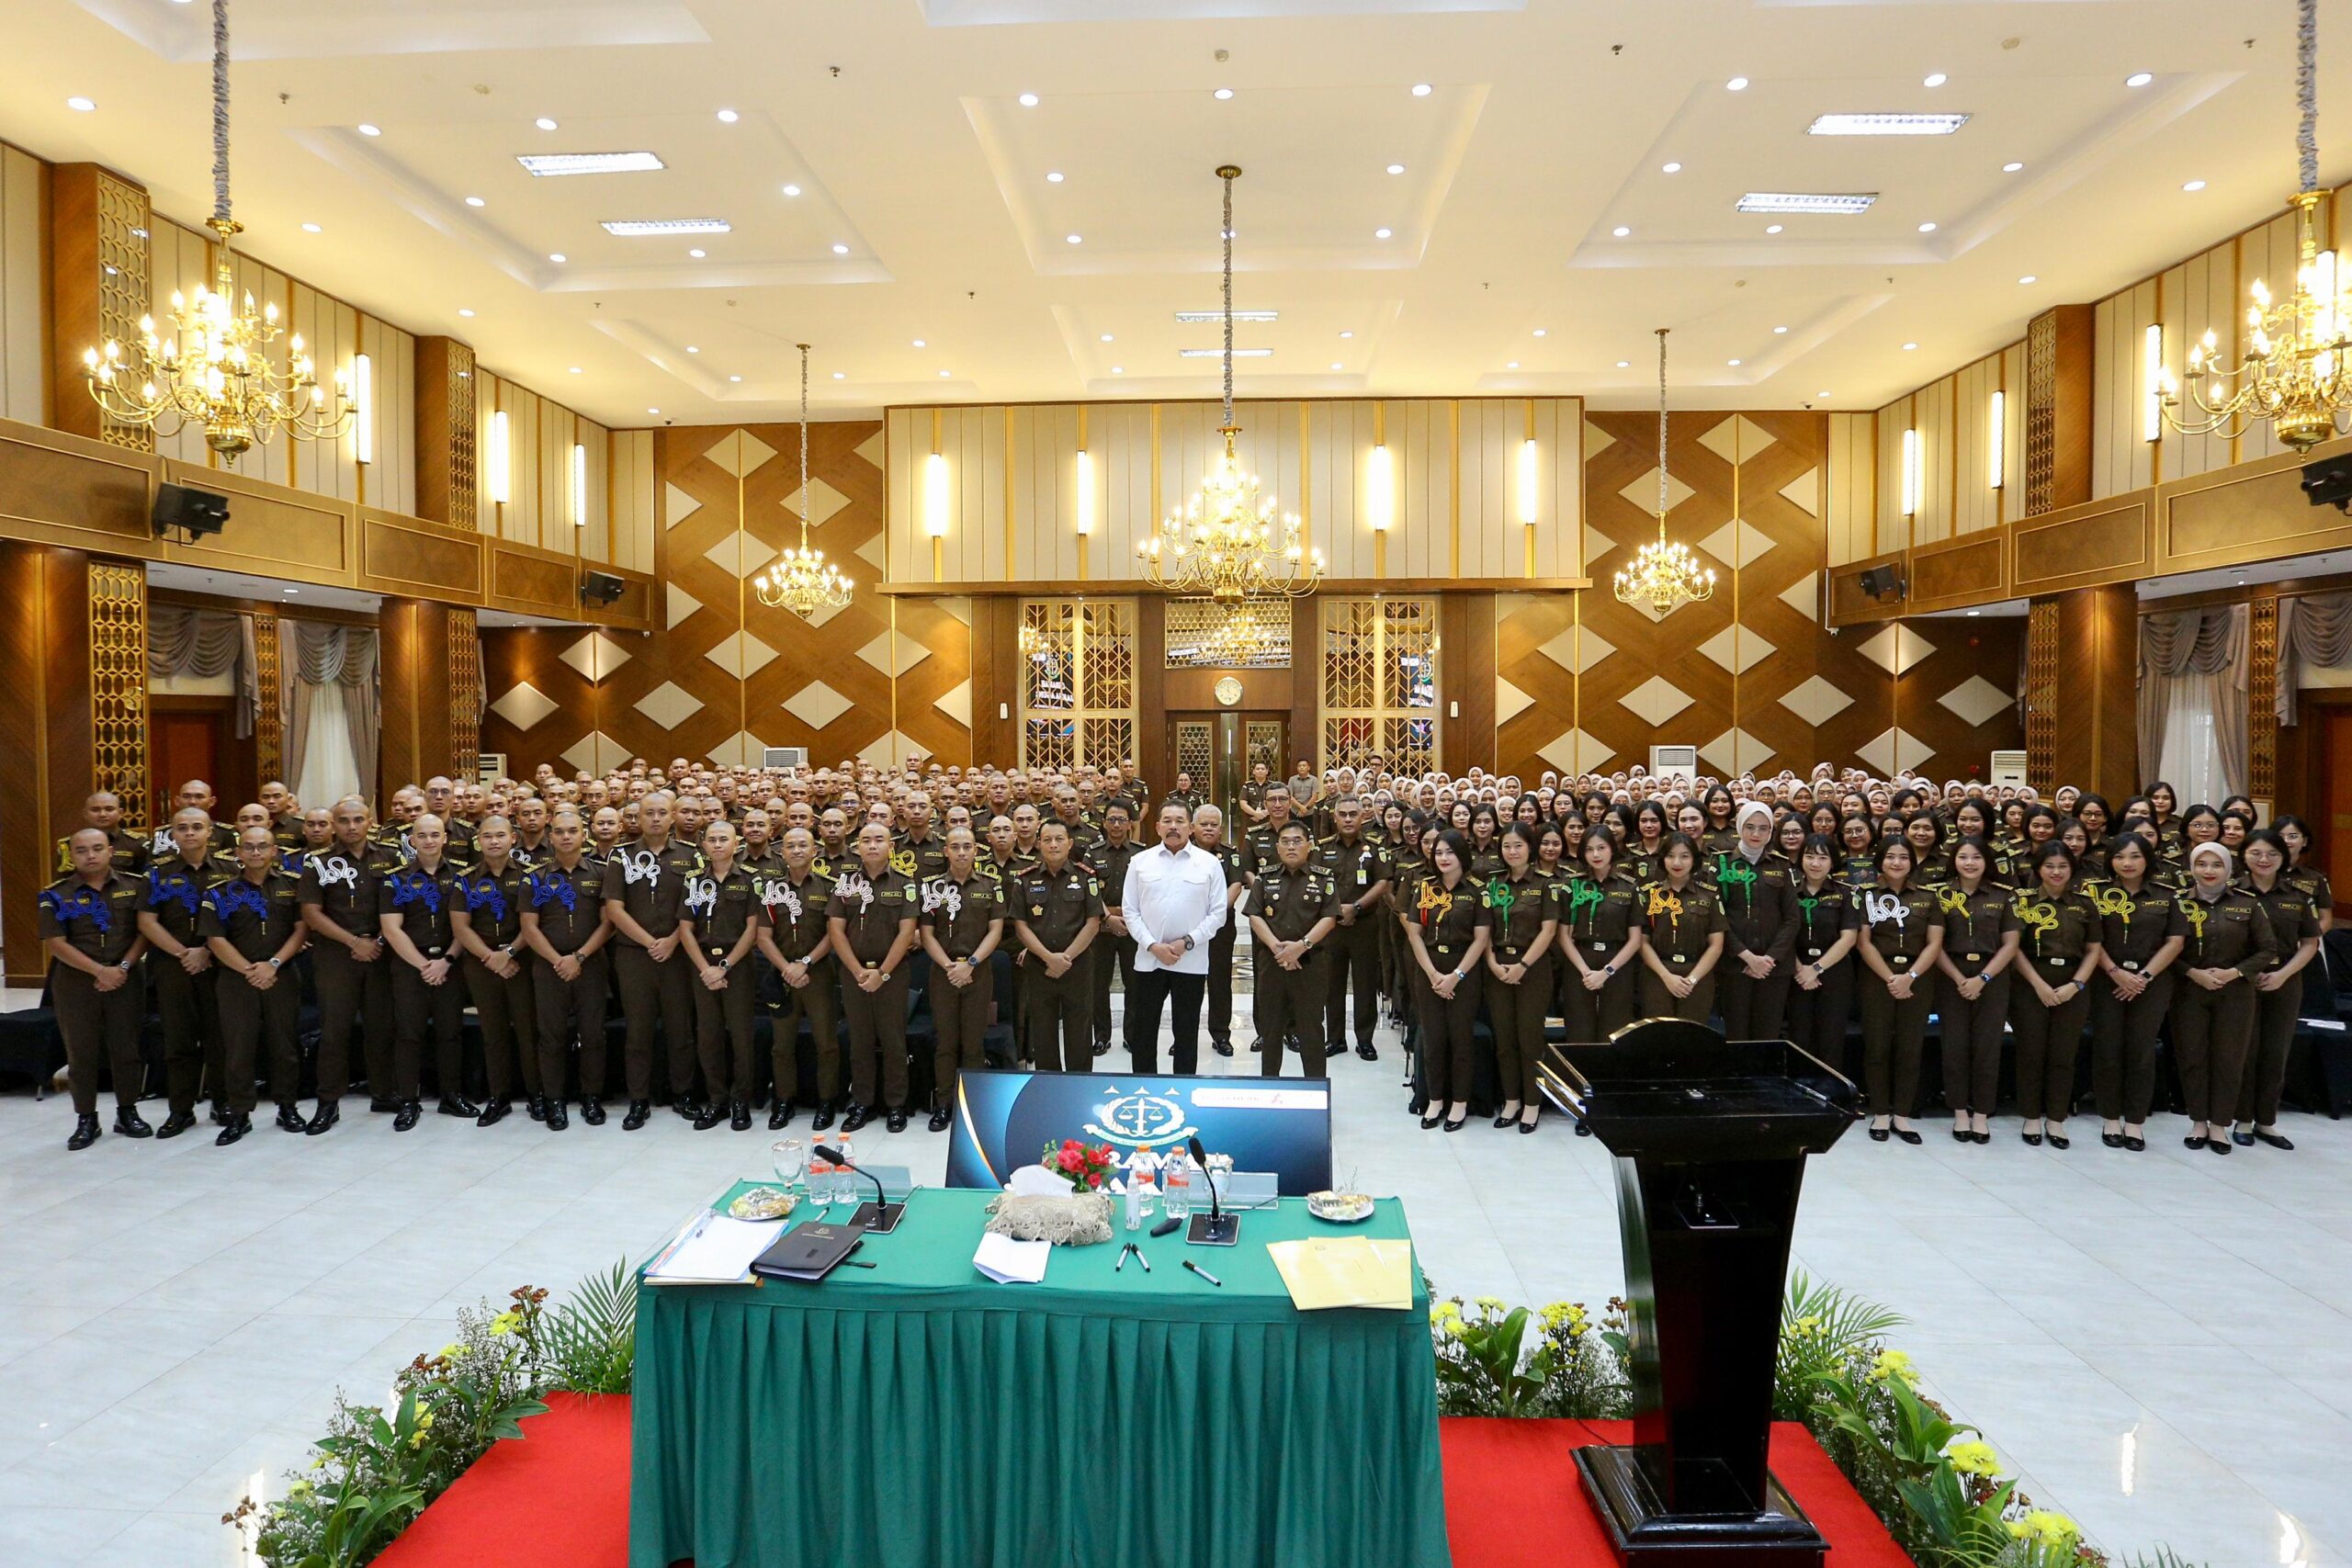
(1215, 1228)
(877, 1218)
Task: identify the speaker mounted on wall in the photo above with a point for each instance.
(600, 588)
(188, 513)
(1882, 581)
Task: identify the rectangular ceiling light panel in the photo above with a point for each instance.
(1887, 124)
(547, 165)
(1219, 353)
(1196, 316)
(665, 226)
(1803, 201)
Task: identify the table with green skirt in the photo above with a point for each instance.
(918, 1415)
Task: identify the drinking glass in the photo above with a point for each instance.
(790, 1156)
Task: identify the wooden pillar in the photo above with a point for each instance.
(418, 737)
(2059, 346)
(45, 728)
(1306, 686)
(1152, 760)
(444, 431)
(98, 258)
(2082, 695)
(996, 679)
(1465, 694)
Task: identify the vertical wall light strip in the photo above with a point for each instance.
(1738, 554)
(1997, 442)
(501, 457)
(1911, 471)
(1380, 491)
(1306, 479)
(2152, 375)
(1528, 510)
(1085, 494)
(579, 485)
(363, 404)
(1453, 489)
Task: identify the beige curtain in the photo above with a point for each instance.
(311, 655)
(2314, 633)
(2195, 660)
(184, 642)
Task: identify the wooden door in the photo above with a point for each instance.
(1218, 747)
(195, 738)
(2335, 830)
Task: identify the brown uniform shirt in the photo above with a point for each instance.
(722, 908)
(959, 913)
(1056, 906)
(870, 910)
(422, 900)
(173, 891)
(570, 904)
(343, 883)
(1291, 902)
(651, 884)
(796, 909)
(258, 921)
(102, 921)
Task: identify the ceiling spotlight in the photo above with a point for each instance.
(1926, 228)
(1335, 365)
(2194, 186)
(1073, 239)
(728, 116)
(1513, 366)
(575, 370)
(841, 374)
(652, 411)
(734, 378)
(792, 190)
(1737, 84)
(1028, 101)
(2139, 79)
(1780, 332)
(463, 312)
(309, 227)
(2028, 278)
(366, 129)
(82, 104)
(1733, 363)
(1543, 332)
(1822, 393)
(1347, 334)
(692, 349)
(1774, 228)
(697, 253)
(943, 375)
(841, 250)
(1395, 168)
(1106, 337)
(557, 257)
(475, 201)
(1625, 365)
(1909, 346)
(544, 123)
(1935, 79)
(1118, 370)
(1421, 89)
(1669, 168)
(2011, 168)
(1620, 230)
(1381, 233)
(1222, 94)
(1054, 178)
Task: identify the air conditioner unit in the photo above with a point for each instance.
(1681, 759)
(2009, 768)
(489, 767)
(783, 756)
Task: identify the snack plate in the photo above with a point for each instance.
(763, 1204)
(1339, 1208)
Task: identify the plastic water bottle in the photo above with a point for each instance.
(820, 1180)
(846, 1187)
(1142, 1197)
(1176, 1185)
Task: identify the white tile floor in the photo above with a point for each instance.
(2161, 1342)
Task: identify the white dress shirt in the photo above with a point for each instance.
(1170, 897)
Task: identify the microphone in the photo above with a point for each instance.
(1215, 1228)
(877, 1218)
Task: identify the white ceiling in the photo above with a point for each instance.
(900, 121)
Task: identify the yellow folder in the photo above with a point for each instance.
(1345, 1271)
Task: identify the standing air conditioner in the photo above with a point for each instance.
(2009, 768)
(783, 756)
(489, 767)
(1683, 760)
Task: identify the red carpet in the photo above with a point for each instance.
(559, 1497)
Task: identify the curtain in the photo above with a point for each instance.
(2315, 632)
(329, 686)
(2192, 700)
(184, 642)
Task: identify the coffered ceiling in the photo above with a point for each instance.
(886, 169)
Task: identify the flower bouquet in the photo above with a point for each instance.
(1085, 1169)
(1065, 1198)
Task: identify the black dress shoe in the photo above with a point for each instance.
(1102, 1047)
(238, 1125)
(941, 1118)
(1222, 1047)
(493, 1113)
(1368, 1053)
(1505, 1121)
(2059, 1141)
(858, 1116)
(289, 1118)
(1985, 1136)
(2112, 1140)
(1961, 1135)
(739, 1117)
(708, 1116)
(130, 1124)
(2276, 1140)
(1256, 1047)
(379, 1103)
(85, 1131)
(178, 1122)
(780, 1115)
(1584, 1129)
(2194, 1141)
(687, 1107)
(410, 1115)
(639, 1112)
(591, 1111)
(1526, 1127)
(1335, 1048)
(2033, 1138)
(822, 1119)
(1456, 1124)
(1881, 1135)
(554, 1120)
(2134, 1145)
(1429, 1122)
(327, 1114)
(1908, 1135)
(220, 1114)
(458, 1105)
(537, 1108)
(897, 1121)
(2218, 1146)
(2244, 1140)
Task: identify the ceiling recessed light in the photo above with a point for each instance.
(1886, 124)
(792, 190)
(366, 129)
(1780, 332)
(1822, 393)
(475, 201)
(692, 349)
(1625, 365)
(1775, 228)
(1118, 370)
(1335, 365)
(666, 226)
(652, 411)
(2194, 186)
(463, 312)
(1395, 168)
(1028, 101)
(734, 378)
(943, 375)
(1669, 168)
(575, 370)
(841, 250)
(557, 257)
(547, 165)
(1733, 363)
(309, 227)
(1347, 334)
(1846, 203)
(1737, 84)
(291, 591)
(1073, 238)
(1935, 79)
(1926, 228)
(921, 344)
(697, 253)
(841, 374)
(1543, 332)
(1219, 353)
(83, 104)
(1106, 337)
(1909, 346)
(2028, 278)
(1054, 177)
(2011, 168)
(728, 116)
(1421, 89)
(1380, 233)
(1222, 94)
(2139, 79)
(544, 123)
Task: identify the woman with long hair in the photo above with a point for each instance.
(1601, 937)
(1523, 914)
(1648, 847)
(1980, 943)
(1682, 937)
(1857, 852)
(1902, 938)
(2296, 834)
(1718, 830)
(2279, 992)
(2230, 942)
(1821, 995)
(1447, 926)
(2164, 810)
(1486, 841)
(2058, 953)
(2140, 933)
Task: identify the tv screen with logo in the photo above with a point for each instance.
(1005, 1120)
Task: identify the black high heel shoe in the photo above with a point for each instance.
(1881, 1135)
(1456, 1125)
(2032, 1139)
(1909, 1136)
(1429, 1122)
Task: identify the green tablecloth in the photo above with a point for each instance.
(920, 1415)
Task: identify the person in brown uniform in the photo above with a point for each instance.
(1754, 886)
(1361, 872)
(130, 856)
(1293, 912)
(2278, 993)
(644, 890)
(2058, 953)
(719, 923)
(413, 904)
(1683, 936)
(89, 922)
(486, 919)
(2143, 932)
(1115, 950)
(1599, 939)
(1821, 991)
(1057, 913)
(2229, 942)
(1972, 1000)
(252, 924)
(181, 974)
(348, 963)
(1448, 927)
(796, 939)
(565, 928)
(872, 917)
(1524, 911)
(1209, 831)
(1902, 936)
(963, 922)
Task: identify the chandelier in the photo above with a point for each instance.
(1226, 542)
(214, 369)
(2293, 372)
(1665, 577)
(799, 580)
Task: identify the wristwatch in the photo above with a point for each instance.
(1188, 944)
(276, 962)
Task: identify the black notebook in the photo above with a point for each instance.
(807, 1252)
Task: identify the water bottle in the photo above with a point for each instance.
(1142, 1197)
(846, 1187)
(820, 1180)
(1176, 1185)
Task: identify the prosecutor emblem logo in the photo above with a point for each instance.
(1140, 1116)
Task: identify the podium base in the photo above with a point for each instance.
(1643, 1534)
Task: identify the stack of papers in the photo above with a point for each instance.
(1011, 1262)
(713, 1250)
(1345, 1271)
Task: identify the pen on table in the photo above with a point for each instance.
(854, 1263)
(1202, 1272)
(1122, 1263)
(1139, 1257)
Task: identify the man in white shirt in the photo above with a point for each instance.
(1174, 902)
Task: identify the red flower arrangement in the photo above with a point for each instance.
(1086, 1169)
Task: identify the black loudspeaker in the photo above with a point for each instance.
(599, 588)
(2328, 482)
(1883, 582)
(195, 513)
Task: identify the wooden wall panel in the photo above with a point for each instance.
(2097, 542)
(44, 728)
(1850, 465)
(24, 314)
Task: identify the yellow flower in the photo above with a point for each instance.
(1456, 1329)
(424, 1420)
(1974, 1457)
(319, 1462)
(1809, 1325)
(503, 1323)
(2050, 1528)
(1440, 1311)
(1890, 1366)
(1557, 1314)
(1491, 1303)
(447, 1353)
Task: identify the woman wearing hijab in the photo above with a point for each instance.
(1754, 886)
(1980, 945)
(2142, 931)
(2230, 942)
(2278, 993)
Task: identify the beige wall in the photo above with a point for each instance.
(1954, 416)
(541, 433)
(24, 349)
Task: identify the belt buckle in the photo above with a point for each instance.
(1813, 952)
(2132, 964)
(1678, 958)
(1899, 959)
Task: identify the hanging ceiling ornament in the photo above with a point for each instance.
(2293, 371)
(1664, 577)
(214, 371)
(799, 579)
(1226, 542)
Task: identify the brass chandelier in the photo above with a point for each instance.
(799, 579)
(1665, 577)
(1226, 542)
(214, 371)
(2293, 373)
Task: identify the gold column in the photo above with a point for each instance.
(269, 716)
(119, 685)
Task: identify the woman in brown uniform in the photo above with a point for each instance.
(1901, 937)
(2230, 942)
(2140, 935)
(721, 919)
(1600, 936)
(2278, 993)
(2296, 834)
(1682, 937)
(1447, 925)
(1821, 996)
(1929, 866)
(1525, 917)
(1980, 943)
(2058, 951)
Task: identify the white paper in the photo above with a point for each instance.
(1037, 1181)
(1011, 1262)
(723, 1250)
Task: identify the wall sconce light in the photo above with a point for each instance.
(1996, 442)
(935, 496)
(1527, 508)
(2152, 379)
(1380, 491)
(502, 458)
(579, 485)
(1085, 494)
(363, 405)
(1911, 472)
